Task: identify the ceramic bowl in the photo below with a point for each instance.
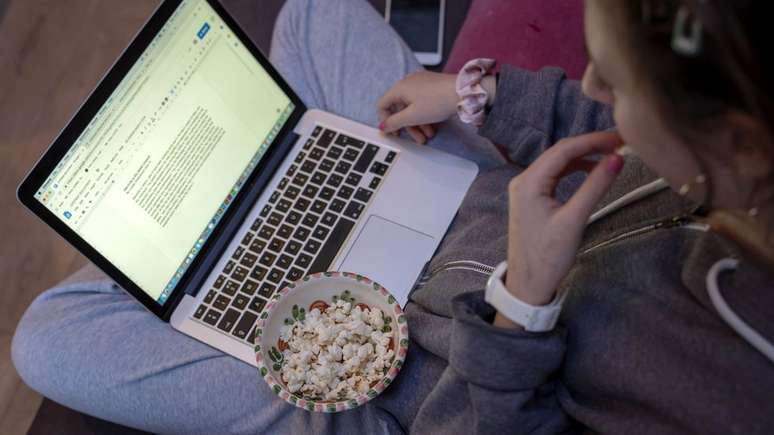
(294, 300)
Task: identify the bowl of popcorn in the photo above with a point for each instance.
(331, 341)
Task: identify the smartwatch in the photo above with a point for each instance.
(532, 318)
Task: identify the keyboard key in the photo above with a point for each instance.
(300, 157)
(274, 219)
(308, 166)
(342, 167)
(316, 153)
(248, 260)
(248, 238)
(266, 232)
(240, 273)
(211, 317)
(390, 157)
(219, 281)
(320, 232)
(312, 246)
(291, 170)
(331, 247)
(267, 259)
(256, 224)
(230, 288)
(345, 192)
(300, 179)
(276, 245)
(257, 304)
(238, 252)
(284, 205)
(344, 140)
(245, 323)
(274, 197)
(353, 210)
(374, 182)
(265, 210)
(283, 182)
(285, 231)
(221, 302)
(303, 261)
(210, 296)
(229, 320)
(229, 267)
(350, 154)
(318, 206)
(316, 131)
(284, 261)
(293, 217)
(258, 273)
(353, 179)
(274, 276)
(310, 220)
(328, 219)
(326, 138)
(327, 165)
(308, 144)
(292, 247)
(267, 290)
(310, 191)
(200, 311)
(301, 233)
(301, 204)
(318, 178)
(335, 180)
(379, 168)
(240, 301)
(249, 287)
(366, 158)
(294, 274)
(292, 192)
(327, 193)
(363, 194)
(257, 246)
(334, 153)
(337, 205)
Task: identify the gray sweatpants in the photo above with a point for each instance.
(90, 346)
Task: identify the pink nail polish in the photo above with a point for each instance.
(615, 164)
(381, 126)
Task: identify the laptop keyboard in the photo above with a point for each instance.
(299, 231)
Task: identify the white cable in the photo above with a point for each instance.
(633, 196)
(736, 323)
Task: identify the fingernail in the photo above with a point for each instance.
(381, 126)
(615, 164)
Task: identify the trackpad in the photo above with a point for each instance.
(389, 253)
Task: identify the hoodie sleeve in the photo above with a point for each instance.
(535, 109)
(497, 380)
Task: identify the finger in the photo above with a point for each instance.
(428, 130)
(597, 184)
(398, 120)
(390, 98)
(417, 135)
(553, 162)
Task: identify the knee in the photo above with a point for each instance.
(28, 346)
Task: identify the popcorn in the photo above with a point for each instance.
(336, 353)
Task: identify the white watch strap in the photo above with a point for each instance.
(532, 318)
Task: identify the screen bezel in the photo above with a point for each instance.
(80, 120)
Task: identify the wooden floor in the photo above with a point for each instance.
(53, 52)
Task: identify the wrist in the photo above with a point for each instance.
(527, 292)
(489, 83)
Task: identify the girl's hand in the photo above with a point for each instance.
(417, 102)
(543, 233)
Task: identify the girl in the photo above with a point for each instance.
(660, 265)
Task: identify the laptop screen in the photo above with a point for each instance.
(150, 177)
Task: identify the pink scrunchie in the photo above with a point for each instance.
(472, 105)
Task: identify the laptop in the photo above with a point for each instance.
(196, 178)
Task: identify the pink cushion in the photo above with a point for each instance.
(526, 33)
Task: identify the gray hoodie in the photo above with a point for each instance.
(639, 347)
